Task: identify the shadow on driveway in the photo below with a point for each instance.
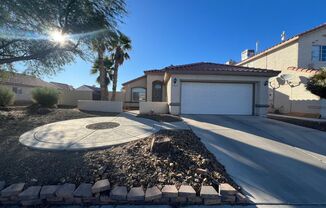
(272, 161)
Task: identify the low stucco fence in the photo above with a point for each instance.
(71, 97)
(100, 105)
(153, 107)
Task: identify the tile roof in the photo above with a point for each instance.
(211, 68)
(12, 78)
(133, 80)
(63, 86)
(298, 69)
(287, 40)
(93, 88)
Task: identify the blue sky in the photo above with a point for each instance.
(165, 32)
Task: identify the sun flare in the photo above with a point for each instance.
(58, 37)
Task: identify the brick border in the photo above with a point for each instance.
(102, 193)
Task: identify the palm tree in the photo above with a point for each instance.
(119, 47)
(99, 47)
(108, 64)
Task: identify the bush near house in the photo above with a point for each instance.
(317, 84)
(6, 96)
(45, 97)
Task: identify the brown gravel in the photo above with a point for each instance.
(161, 117)
(129, 164)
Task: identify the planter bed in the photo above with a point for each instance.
(161, 117)
(130, 165)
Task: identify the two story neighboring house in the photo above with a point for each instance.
(298, 57)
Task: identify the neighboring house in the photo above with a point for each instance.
(96, 91)
(295, 57)
(22, 85)
(202, 88)
(63, 86)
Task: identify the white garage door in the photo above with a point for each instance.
(216, 98)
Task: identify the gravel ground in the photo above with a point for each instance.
(129, 164)
(161, 117)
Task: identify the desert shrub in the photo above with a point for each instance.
(317, 84)
(6, 96)
(45, 97)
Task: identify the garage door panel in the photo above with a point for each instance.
(216, 98)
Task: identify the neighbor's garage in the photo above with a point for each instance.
(217, 98)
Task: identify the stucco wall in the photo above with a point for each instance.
(297, 99)
(71, 97)
(279, 59)
(101, 106)
(155, 107)
(26, 93)
(261, 91)
(305, 49)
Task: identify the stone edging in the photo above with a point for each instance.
(102, 193)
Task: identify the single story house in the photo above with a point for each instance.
(96, 91)
(22, 85)
(63, 86)
(201, 88)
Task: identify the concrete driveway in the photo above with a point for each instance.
(274, 162)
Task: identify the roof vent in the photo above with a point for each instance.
(247, 54)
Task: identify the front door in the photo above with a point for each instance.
(157, 91)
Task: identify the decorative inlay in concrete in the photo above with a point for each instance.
(89, 133)
(103, 125)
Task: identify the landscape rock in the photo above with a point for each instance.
(119, 193)
(84, 190)
(48, 191)
(100, 186)
(208, 192)
(186, 191)
(160, 145)
(170, 191)
(212, 201)
(31, 202)
(153, 193)
(30, 193)
(227, 189)
(66, 191)
(136, 194)
(12, 190)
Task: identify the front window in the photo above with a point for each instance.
(17, 90)
(138, 94)
(318, 53)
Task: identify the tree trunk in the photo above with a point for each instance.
(104, 89)
(115, 80)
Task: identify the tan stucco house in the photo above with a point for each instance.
(201, 88)
(22, 85)
(298, 57)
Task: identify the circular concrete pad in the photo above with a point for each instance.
(73, 134)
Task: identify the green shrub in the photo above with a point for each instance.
(6, 96)
(45, 97)
(317, 84)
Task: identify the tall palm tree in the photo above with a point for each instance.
(99, 47)
(119, 47)
(108, 64)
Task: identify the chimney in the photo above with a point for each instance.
(231, 62)
(247, 54)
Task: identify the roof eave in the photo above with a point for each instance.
(238, 73)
